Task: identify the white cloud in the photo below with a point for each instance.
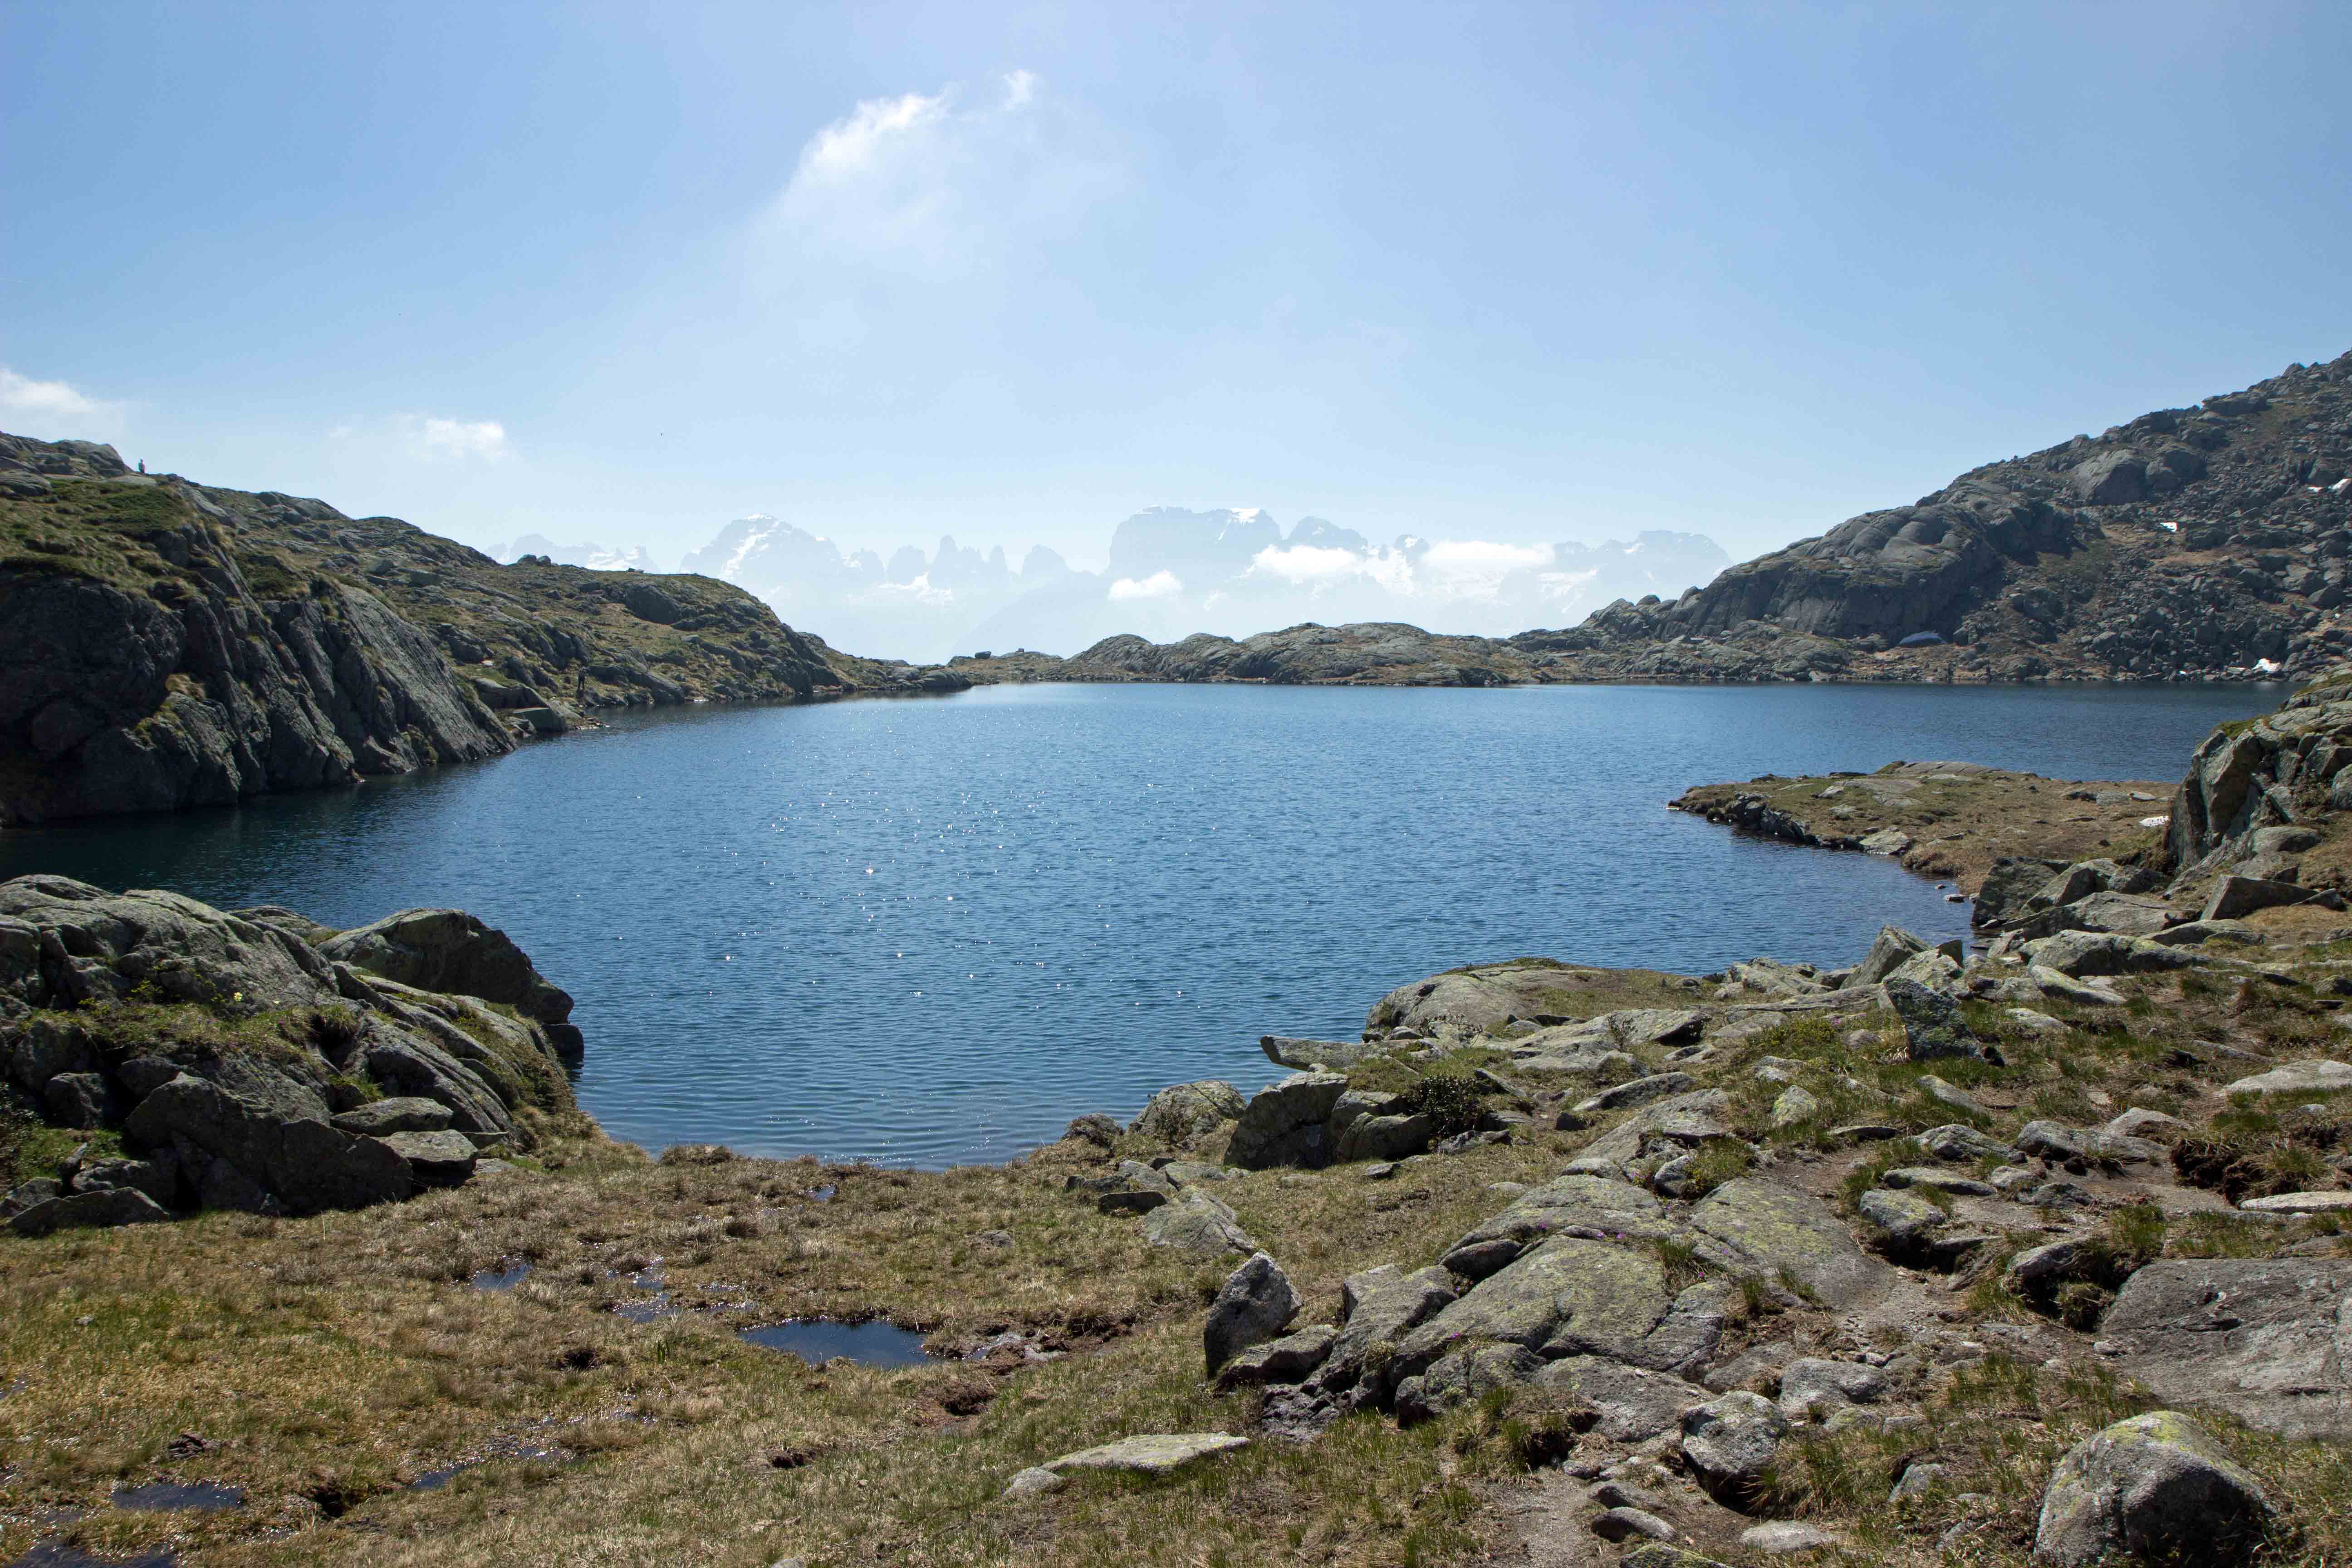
(55, 411)
(1162, 584)
(462, 439)
(931, 183)
(425, 438)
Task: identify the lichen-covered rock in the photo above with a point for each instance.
(1289, 1359)
(103, 947)
(2155, 1489)
(1599, 1203)
(1771, 1227)
(1569, 1296)
(1462, 1376)
(1155, 1454)
(1196, 1223)
(1634, 1404)
(395, 1113)
(1811, 1388)
(1933, 1028)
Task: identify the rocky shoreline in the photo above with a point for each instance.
(1628, 1265)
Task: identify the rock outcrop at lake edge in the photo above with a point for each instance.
(165, 644)
(236, 1063)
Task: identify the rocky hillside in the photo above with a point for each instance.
(2196, 541)
(166, 644)
(2213, 541)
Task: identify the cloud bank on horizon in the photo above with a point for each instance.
(1171, 572)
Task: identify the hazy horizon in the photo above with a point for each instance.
(1506, 274)
(1165, 573)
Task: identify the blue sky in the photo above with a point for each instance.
(1521, 274)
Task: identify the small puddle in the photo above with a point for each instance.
(645, 1312)
(823, 1194)
(200, 1496)
(62, 1554)
(433, 1480)
(505, 1279)
(820, 1339)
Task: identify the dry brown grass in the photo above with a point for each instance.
(336, 1359)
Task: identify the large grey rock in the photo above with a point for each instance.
(1889, 951)
(2012, 882)
(1569, 1296)
(1769, 1227)
(1289, 1359)
(2081, 953)
(429, 1055)
(111, 1207)
(1596, 1204)
(400, 1114)
(1639, 1091)
(1196, 1223)
(1480, 1000)
(1962, 1144)
(2310, 1076)
(2234, 898)
(304, 1165)
(2264, 1339)
(1729, 1442)
(1379, 1306)
(1255, 1305)
(1333, 1055)
(1907, 1218)
(1184, 1111)
(2155, 1489)
(443, 1159)
(1812, 1387)
(1286, 1124)
(451, 951)
(77, 1099)
(158, 1177)
(1933, 1028)
(1635, 1404)
(1385, 1137)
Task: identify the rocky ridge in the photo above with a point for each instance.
(2205, 542)
(166, 644)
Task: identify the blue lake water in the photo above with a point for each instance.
(933, 931)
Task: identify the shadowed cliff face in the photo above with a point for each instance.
(166, 644)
